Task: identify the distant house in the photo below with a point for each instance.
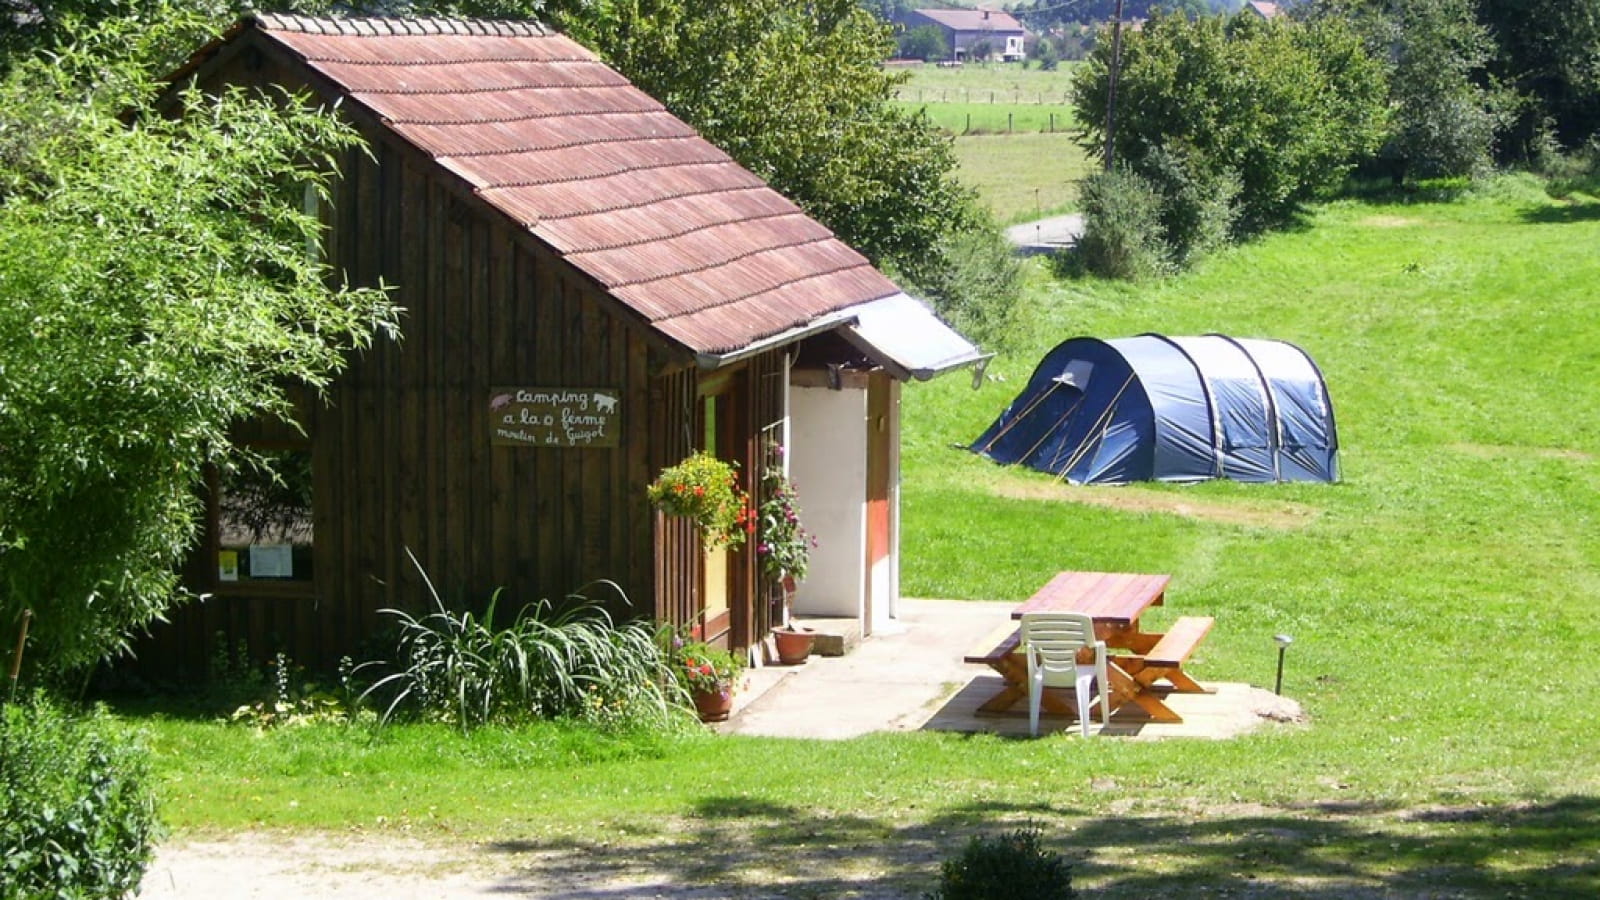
(968, 29)
(1263, 9)
(592, 291)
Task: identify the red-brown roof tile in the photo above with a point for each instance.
(567, 148)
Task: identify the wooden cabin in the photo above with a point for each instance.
(592, 291)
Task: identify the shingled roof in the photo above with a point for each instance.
(974, 19)
(544, 132)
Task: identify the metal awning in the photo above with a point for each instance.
(904, 336)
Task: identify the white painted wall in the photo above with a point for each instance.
(828, 462)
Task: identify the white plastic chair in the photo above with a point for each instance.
(1051, 641)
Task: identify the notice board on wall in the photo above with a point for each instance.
(554, 417)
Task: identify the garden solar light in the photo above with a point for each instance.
(1283, 641)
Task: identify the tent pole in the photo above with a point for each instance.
(1019, 417)
(1103, 421)
(1052, 429)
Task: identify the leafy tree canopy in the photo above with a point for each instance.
(157, 288)
(925, 42)
(1285, 108)
(1443, 118)
(1549, 54)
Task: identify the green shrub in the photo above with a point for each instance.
(547, 664)
(77, 818)
(1197, 203)
(1122, 233)
(1010, 866)
(974, 281)
(1569, 173)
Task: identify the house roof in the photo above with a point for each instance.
(1264, 9)
(973, 19)
(544, 132)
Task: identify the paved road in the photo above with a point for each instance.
(1046, 235)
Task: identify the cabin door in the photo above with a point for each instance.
(722, 591)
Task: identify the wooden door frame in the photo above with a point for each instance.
(730, 390)
(880, 516)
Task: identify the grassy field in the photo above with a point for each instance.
(999, 98)
(1006, 82)
(1023, 176)
(968, 118)
(1011, 128)
(1442, 599)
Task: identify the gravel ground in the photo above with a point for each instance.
(370, 867)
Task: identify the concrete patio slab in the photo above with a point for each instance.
(913, 678)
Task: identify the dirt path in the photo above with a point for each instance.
(373, 867)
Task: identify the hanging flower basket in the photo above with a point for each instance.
(706, 490)
(783, 545)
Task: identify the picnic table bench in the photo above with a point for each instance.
(1115, 601)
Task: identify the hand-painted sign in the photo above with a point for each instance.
(554, 417)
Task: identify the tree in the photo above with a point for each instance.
(1443, 119)
(1044, 50)
(157, 289)
(1549, 55)
(925, 42)
(1282, 107)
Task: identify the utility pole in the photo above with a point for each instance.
(1111, 86)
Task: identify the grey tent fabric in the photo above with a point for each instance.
(1171, 409)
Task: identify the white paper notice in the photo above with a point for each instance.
(271, 561)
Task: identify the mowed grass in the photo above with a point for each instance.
(1442, 599)
(1006, 82)
(1012, 128)
(963, 119)
(998, 98)
(1023, 176)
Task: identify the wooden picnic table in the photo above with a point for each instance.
(1115, 600)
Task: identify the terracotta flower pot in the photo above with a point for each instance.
(794, 644)
(713, 706)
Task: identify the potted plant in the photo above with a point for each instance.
(706, 490)
(783, 547)
(706, 674)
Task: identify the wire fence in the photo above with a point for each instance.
(993, 97)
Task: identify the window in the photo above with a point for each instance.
(263, 518)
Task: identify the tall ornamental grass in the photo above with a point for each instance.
(549, 663)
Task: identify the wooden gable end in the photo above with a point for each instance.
(401, 449)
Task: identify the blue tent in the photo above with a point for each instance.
(1170, 409)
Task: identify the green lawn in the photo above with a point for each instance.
(986, 83)
(1023, 176)
(1012, 129)
(1443, 600)
(996, 118)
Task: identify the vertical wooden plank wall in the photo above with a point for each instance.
(402, 457)
(401, 448)
(678, 562)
